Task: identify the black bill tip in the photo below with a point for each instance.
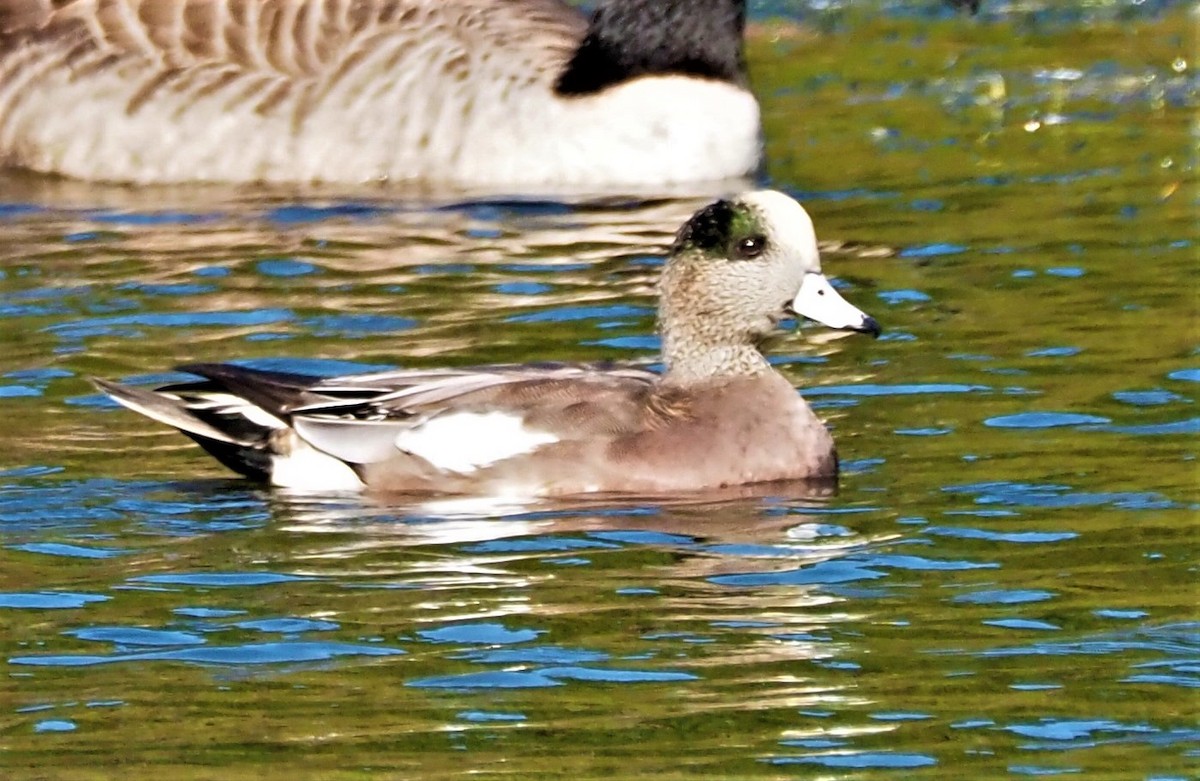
(870, 326)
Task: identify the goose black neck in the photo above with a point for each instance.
(631, 38)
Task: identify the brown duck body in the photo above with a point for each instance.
(646, 438)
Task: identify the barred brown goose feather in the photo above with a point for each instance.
(454, 91)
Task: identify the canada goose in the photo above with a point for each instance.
(492, 94)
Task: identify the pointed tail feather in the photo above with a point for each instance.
(246, 456)
(165, 409)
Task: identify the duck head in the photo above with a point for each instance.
(737, 268)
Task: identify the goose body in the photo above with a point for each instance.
(719, 415)
(471, 93)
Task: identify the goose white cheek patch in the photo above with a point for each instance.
(818, 300)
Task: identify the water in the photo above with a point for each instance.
(1004, 586)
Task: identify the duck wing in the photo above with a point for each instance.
(462, 421)
(366, 418)
(424, 423)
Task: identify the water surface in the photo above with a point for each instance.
(1004, 586)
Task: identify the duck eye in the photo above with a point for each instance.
(751, 246)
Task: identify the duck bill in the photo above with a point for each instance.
(818, 300)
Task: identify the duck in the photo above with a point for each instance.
(482, 95)
(717, 415)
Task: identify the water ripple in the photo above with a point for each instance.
(235, 655)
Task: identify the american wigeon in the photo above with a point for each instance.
(718, 415)
(474, 93)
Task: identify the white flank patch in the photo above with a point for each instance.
(464, 441)
(307, 469)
